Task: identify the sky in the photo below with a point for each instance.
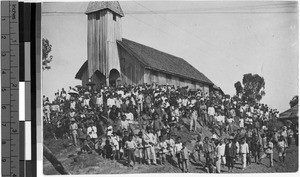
(223, 40)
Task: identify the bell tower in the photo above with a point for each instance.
(104, 28)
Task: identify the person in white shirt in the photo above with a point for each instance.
(220, 155)
(178, 147)
(99, 100)
(282, 145)
(120, 92)
(47, 112)
(171, 146)
(193, 119)
(211, 113)
(129, 117)
(244, 150)
(241, 122)
(140, 102)
(162, 146)
(111, 101)
(86, 101)
(124, 123)
(72, 103)
(130, 146)
(150, 141)
(116, 147)
(229, 126)
(118, 101)
(92, 132)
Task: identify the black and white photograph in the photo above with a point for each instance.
(136, 87)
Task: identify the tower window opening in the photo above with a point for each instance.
(114, 17)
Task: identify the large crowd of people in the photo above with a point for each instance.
(138, 124)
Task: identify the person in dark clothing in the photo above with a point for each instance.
(107, 149)
(124, 139)
(230, 153)
(124, 106)
(114, 114)
(296, 135)
(255, 147)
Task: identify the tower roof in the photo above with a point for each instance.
(101, 5)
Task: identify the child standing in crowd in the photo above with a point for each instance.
(124, 123)
(99, 147)
(130, 146)
(178, 147)
(170, 147)
(140, 147)
(282, 145)
(107, 148)
(268, 148)
(115, 145)
(230, 153)
(198, 147)
(162, 146)
(81, 134)
(184, 152)
(208, 149)
(124, 139)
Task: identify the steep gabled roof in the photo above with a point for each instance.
(81, 70)
(290, 113)
(158, 60)
(101, 5)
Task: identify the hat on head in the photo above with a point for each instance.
(214, 136)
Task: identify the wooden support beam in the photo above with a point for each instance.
(53, 160)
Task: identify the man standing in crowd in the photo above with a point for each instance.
(209, 150)
(150, 141)
(244, 150)
(230, 153)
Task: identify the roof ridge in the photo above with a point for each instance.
(95, 6)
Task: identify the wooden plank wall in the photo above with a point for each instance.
(132, 71)
(103, 32)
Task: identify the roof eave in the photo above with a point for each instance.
(132, 53)
(93, 11)
(178, 75)
(81, 70)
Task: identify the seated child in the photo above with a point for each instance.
(209, 167)
(99, 147)
(88, 145)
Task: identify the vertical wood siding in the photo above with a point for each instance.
(103, 32)
(132, 72)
